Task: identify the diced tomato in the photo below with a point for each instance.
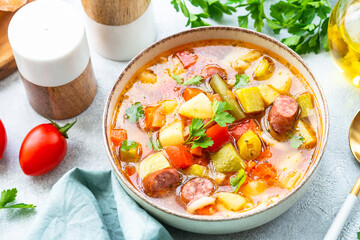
(207, 210)
(214, 97)
(179, 156)
(265, 154)
(250, 165)
(189, 93)
(219, 135)
(265, 171)
(130, 170)
(154, 118)
(242, 127)
(117, 136)
(198, 151)
(187, 58)
(212, 69)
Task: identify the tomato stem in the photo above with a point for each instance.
(63, 130)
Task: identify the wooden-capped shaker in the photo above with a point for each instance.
(119, 29)
(52, 54)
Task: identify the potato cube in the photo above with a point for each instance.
(147, 76)
(197, 170)
(239, 65)
(282, 82)
(172, 134)
(268, 94)
(231, 201)
(264, 69)
(152, 163)
(305, 104)
(309, 135)
(227, 159)
(197, 107)
(251, 56)
(250, 99)
(254, 188)
(168, 106)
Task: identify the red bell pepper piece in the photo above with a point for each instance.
(179, 156)
(242, 127)
(117, 136)
(187, 58)
(219, 135)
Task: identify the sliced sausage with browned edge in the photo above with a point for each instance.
(161, 182)
(196, 188)
(212, 69)
(283, 113)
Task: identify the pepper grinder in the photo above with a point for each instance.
(51, 52)
(119, 29)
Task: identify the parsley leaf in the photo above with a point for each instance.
(177, 78)
(221, 117)
(358, 234)
(236, 182)
(194, 80)
(241, 80)
(135, 112)
(296, 141)
(154, 144)
(127, 145)
(203, 141)
(8, 196)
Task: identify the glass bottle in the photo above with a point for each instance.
(344, 38)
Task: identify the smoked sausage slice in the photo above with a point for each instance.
(283, 113)
(212, 69)
(161, 182)
(196, 188)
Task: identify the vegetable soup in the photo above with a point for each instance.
(215, 127)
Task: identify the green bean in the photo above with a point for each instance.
(226, 95)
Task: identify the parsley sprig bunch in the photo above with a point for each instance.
(197, 136)
(305, 21)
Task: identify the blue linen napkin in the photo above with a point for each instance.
(92, 205)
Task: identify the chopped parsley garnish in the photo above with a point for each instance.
(241, 80)
(135, 112)
(194, 80)
(296, 141)
(127, 145)
(8, 196)
(236, 182)
(197, 136)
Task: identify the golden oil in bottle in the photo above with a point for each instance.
(344, 38)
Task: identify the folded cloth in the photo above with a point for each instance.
(92, 205)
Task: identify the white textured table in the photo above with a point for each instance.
(309, 218)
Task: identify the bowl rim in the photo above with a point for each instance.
(241, 215)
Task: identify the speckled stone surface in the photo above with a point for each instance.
(309, 218)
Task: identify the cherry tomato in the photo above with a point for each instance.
(3, 139)
(43, 148)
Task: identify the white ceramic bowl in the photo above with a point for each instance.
(242, 221)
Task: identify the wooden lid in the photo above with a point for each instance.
(115, 12)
